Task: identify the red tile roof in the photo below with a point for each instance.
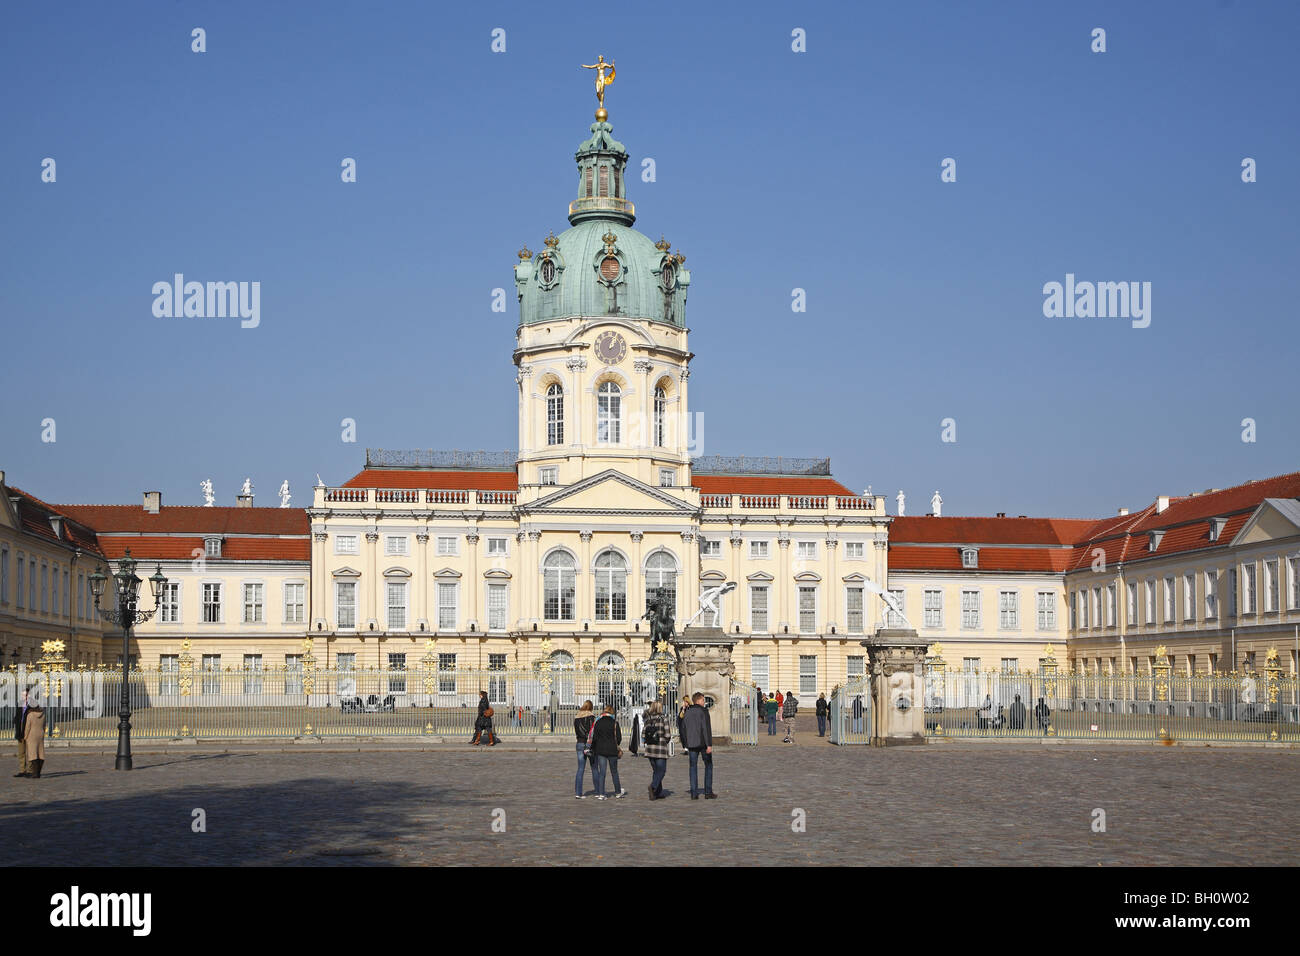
(925, 529)
(918, 558)
(768, 485)
(190, 519)
(34, 516)
(181, 547)
(428, 478)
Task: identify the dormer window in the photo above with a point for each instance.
(212, 547)
(1216, 527)
(970, 558)
(1153, 539)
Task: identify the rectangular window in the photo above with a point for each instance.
(497, 607)
(711, 548)
(857, 667)
(1170, 600)
(496, 687)
(1010, 665)
(1294, 565)
(933, 606)
(1211, 595)
(970, 665)
(496, 545)
(559, 584)
(853, 610)
(807, 675)
(212, 604)
(1046, 611)
(853, 549)
(970, 609)
(1248, 588)
(447, 600)
(1009, 610)
(758, 670)
(758, 609)
(346, 544)
(1083, 609)
(667, 477)
(807, 610)
(169, 608)
(212, 547)
(447, 544)
(293, 674)
(397, 544)
(4, 575)
(1132, 617)
(211, 673)
(1110, 605)
(1074, 610)
(758, 549)
(806, 550)
(252, 604)
(969, 558)
(548, 475)
(602, 178)
(396, 593)
(31, 584)
(1270, 585)
(1151, 601)
(1096, 607)
(295, 603)
(67, 597)
(446, 673)
(45, 588)
(345, 604)
(397, 673)
(348, 661)
(252, 673)
(54, 587)
(169, 669)
(892, 617)
(1189, 597)
(1232, 592)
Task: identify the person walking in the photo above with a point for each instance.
(770, 708)
(20, 724)
(605, 739)
(823, 710)
(681, 714)
(857, 714)
(34, 736)
(582, 726)
(655, 736)
(789, 710)
(1042, 714)
(697, 737)
(555, 706)
(483, 705)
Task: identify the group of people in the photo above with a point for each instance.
(987, 715)
(29, 731)
(599, 740)
(786, 706)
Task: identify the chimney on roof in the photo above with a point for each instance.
(243, 501)
(1123, 511)
(152, 502)
(1002, 514)
(1162, 504)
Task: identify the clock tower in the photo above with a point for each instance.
(601, 346)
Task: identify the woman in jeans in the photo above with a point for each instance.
(605, 740)
(655, 743)
(581, 728)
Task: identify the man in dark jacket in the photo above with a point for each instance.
(697, 737)
(20, 725)
(823, 709)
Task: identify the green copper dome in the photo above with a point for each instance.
(601, 265)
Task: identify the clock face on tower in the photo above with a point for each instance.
(610, 348)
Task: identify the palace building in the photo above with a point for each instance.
(554, 549)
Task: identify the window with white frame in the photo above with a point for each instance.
(932, 604)
(611, 586)
(806, 550)
(548, 475)
(345, 604)
(1009, 610)
(397, 673)
(1232, 592)
(4, 574)
(396, 603)
(1132, 617)
(1096, 607)
(31, 584)
(212, 604)
(660, 414)
(496, 687)
(758, 609)
(447, 544)
(1046, 611)
(807, 610)
(45, 587)
(853, 616)
(1083, 609)
(169, 674)
(252, 673)
(253, 604)
(1211, 595)
(969, 558)
(808, 674)
(498, 609)
(1074, 610)
(1248, 588)
(758, 549)
(1270, 585)
(1010, 665)
(54, 588)
(448, 595)
(21, 565)
(970, 609)
(497, 546)
(857, 667)
(67, 597)
(293, 673)
(609, 413)
(711, 548)
(169, 607)
(212, 547)
(853, 549)
(346, 544)
(759, 670)
(210, 668)
(347, 661)
(661, 572)
(559, 581)
(397, 544)
(667, 478)
(295, 603)
(1151, 601)
(446, 673)
(892, 617)
(554, 415)
(1294, 565)
(1189, 597)
(1110, 605)
(1171, 604)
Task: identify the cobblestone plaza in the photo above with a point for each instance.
(943, 804)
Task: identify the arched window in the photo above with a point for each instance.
(661, 407)
(603, 178)
(562, 682)
(612, 680)
(609, 407)
(555, 414)
(661, 572)
(561, 661)
(559, 581)
(611, 587)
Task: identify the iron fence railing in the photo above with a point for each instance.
(850, 715)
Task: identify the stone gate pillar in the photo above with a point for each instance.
(896, 665)
(705, 666)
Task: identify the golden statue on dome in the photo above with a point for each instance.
(602, 81)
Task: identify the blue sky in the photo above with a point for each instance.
(775, 170)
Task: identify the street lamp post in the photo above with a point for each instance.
(127, 615)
